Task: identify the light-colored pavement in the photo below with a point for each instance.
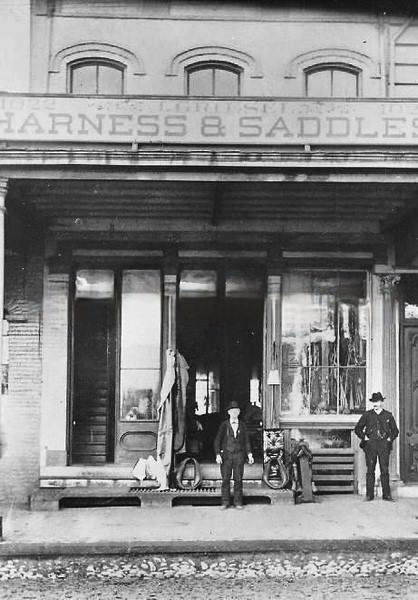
(330, 522)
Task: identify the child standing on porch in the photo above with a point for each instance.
(232, 447)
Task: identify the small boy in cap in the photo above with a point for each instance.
(232, 447)
(377, 430)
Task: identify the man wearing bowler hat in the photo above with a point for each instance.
(377, 430)
(232, 447)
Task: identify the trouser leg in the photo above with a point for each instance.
(371, 458)
(383, 454)
(238, 475)
(226, 472)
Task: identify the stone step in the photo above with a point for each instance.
(51, 498)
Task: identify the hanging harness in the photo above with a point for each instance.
(188, 484)
(275, 465)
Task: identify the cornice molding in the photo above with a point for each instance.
(250, 159)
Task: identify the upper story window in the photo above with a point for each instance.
(213, 79)
(96, 77)
(332, 81)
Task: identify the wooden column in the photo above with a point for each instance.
(388, 284)
(169, 327)
(272, 351)
(4, 184)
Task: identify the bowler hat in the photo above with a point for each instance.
(376, 397)
(233, 404)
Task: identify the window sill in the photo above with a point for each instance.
(314, 421)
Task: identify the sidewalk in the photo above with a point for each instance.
(331, 523)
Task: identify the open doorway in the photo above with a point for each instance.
(219, 332)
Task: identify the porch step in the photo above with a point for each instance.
(54, 498)
(174, 497)
(333, 471)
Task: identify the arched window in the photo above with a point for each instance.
(96, 77)
(213, 79)
(332, 81)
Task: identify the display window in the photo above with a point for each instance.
(325, 332)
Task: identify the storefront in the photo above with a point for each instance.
(268, 273)
(229, 184)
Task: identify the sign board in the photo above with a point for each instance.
(174, 120)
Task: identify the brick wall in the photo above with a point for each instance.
(20, 407)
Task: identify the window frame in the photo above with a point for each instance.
(214, 65)
(332, 67)
(97, 62)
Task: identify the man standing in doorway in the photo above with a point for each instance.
(377, 430)
(232, 447)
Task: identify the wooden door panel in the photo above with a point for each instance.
(409, 407)
(93, 388)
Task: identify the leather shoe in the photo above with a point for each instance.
(388, 499)
(368, 499)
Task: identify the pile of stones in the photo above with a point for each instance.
(244, 566)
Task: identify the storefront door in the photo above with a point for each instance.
(409, 406)
(93, 385)
(116, 365)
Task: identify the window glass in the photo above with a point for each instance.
(195, 283)
(207, 390)
(83, 79)
(139, 392)
(213, 80)
(200, 82)
(96, 78)
(140, 343)
(409, 287)
(325, 328)
(243, 284)
(319, 84)
(226, 83)
(344, 84)
(411, 311)
(94, 284)
(332, 82)
(110, 80)
(319, 439)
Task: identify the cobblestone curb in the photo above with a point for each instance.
(288, 567)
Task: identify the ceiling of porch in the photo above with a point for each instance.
(352, 212)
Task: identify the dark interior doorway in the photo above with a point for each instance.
(221, 339)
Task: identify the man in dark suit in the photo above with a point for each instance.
(232, 447)
(377, 430)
